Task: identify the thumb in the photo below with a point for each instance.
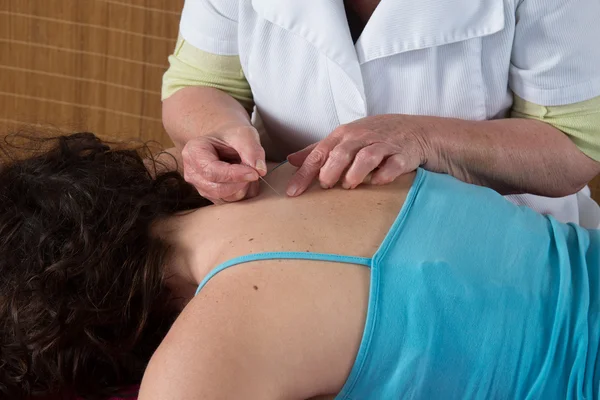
(297, 158)
(247, 144)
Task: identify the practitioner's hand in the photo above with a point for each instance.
(225, 166)
(385, 145)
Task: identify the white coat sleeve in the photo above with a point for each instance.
(556, 51)
(211, 25)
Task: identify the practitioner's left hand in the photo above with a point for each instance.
(385, 145)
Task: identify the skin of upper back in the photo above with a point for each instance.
(272, 329)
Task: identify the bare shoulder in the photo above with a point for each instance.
(210, 351)
(261, 331)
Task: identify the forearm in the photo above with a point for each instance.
(196, 111)
(509, 155)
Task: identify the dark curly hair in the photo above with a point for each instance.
(83, 304)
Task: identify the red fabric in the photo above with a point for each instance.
(129, 393)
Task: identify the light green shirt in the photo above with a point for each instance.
(580, 121)
(190, 66)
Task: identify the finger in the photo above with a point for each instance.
(222, 172)
(201, 157)
(339, 159)
(312, 164)
(212, 190)
(297, 158)
(237, 196)
(391, 169)
(366, 160)
(253, 190)
(367, 179)
(227, 190)
(199, 152)
(247, 145)
(309, 170)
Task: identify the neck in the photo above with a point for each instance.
(194, 252)
(186, 267)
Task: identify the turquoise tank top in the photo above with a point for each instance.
(472, 297)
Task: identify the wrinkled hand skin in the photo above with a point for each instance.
(381, 147)
(225, 166)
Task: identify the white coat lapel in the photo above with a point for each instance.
(323, 24)
(398, 26)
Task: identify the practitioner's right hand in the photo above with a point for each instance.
(225, 166)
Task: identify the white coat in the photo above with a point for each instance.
(449, 58)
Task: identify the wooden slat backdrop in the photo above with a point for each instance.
(92, 65)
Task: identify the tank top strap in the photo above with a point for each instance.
(284, 255)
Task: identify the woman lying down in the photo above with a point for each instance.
(428, 288)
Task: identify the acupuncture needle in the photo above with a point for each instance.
(265, 181)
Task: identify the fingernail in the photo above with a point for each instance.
(292, 191)
(261, 166)
(346, 185)
(240, 195)
(325, 186)
(250, 176)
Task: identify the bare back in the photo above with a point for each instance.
(327, 221)
(299, 323)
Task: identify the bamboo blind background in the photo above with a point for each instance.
(93, 65)
(89, 65)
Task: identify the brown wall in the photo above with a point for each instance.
(92, 65)
(86, 64)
